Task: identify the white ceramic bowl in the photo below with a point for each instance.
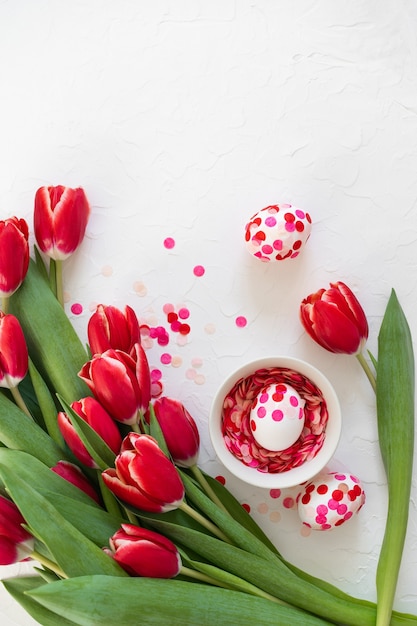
(296, 475)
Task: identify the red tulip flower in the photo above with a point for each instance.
(335, 319)
(111, 328)
(13, 352)
(60, 220)
(74, 475)
(16, 544)
(91, 411)
(142, 552)
(14, 254)
(144, 477)
(120, 382)
(179, 429)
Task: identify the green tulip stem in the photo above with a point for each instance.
(198, 474)
(204, 522)
(59, 283)
(235, 583)
(36, 556)
(5, 304)
(365, 366)
(17, 397)
(136, 428)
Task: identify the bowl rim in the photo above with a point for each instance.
(295, 476)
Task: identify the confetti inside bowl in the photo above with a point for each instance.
(230, 425)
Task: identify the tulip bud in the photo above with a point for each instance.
(16, 544)
(91, 411)
(179, 429)
(120, 382)
(335, 319)
(144, 477)
(74, 475)
(14, 254)
(13, 352)
(60, 220)
(142, 552)
(109, 328)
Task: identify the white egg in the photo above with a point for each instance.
(329, 500)
(277, 232)
(277, 417)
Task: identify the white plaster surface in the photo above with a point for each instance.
(183, 118)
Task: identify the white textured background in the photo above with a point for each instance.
(181, 119)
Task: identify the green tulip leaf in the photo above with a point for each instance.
(74, 553)
(272, 576)
(95, 523)
(40, 476)
(40, 264)
(72, 503)
(53, 344)
(156, 432)
(18, 588)
(237, 511)
(395, 411)
(20, 432)
(106, 601)
(235, 531)
(47, 405)
(96, 447)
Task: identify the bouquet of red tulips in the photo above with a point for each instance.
(99, 481)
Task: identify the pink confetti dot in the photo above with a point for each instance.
(77, 308)
(156, 389)
(184, 313)
(169, 243)
(288, 502)
(199, 270)
(168, 308)
(241, 321)
(275, 493)
(166, 358)
(156, 374)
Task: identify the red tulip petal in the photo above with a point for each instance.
(129, 494)
(154, 473)
(115, 387)
(13, 351)
(336, 332)
(14, 255)
(146, 558)
(179, 429)
(352, 308)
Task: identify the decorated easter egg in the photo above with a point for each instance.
(329, 500)
(277, 232)
(277, 417)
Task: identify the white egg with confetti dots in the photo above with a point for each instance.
(277, 417)
(277, 232)
(330, 500)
